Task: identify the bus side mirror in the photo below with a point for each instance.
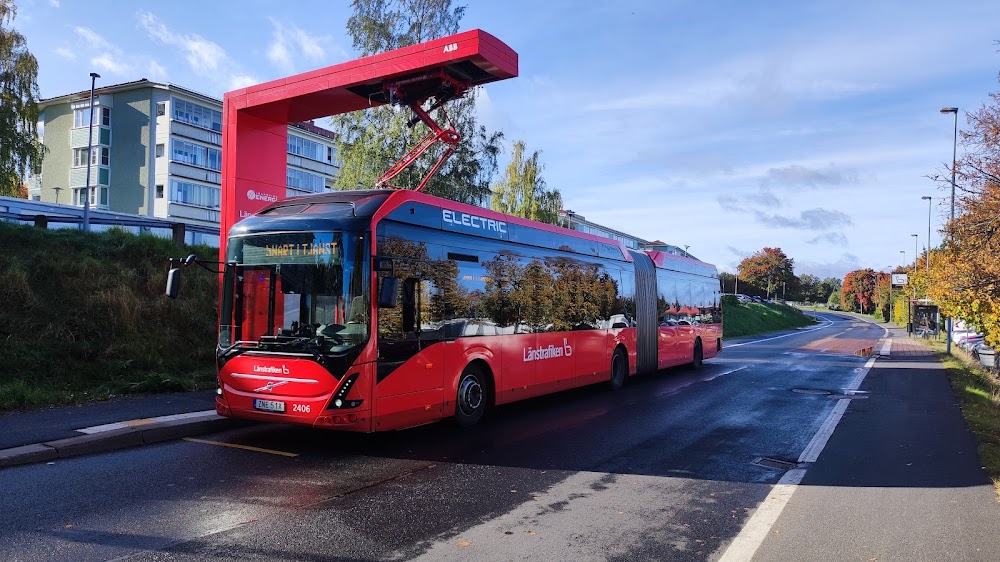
(388, 292)
(173, 282)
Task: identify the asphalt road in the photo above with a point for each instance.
(670, 468)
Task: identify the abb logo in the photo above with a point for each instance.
(451, 47)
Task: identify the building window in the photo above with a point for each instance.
(102, 152)
(79, 191)
(81, 117)
(106, 116)
(307, 148)
(159, 150)
(161, 108)
(196, 154)
(159, 191)
(197, 115)
(304, 181)
(208, 196)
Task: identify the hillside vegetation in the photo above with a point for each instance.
(747, 319)
(83, 317)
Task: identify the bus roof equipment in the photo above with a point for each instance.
(255, 135)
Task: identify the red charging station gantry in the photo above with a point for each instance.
(255, 133)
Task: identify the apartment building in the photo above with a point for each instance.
(578, 222)
(156, 151)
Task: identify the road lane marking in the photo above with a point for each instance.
(244, 447)
(146, 421)
(886, 347)
(828, 324)
(745, 545)
(756, 530)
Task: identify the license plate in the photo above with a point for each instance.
(269, 405)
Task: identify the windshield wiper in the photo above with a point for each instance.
(274, 343)
(306, 343)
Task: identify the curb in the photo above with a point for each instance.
(104, 441)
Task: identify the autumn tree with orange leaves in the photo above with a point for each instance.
(965, 274)
(858, 291)
(767, 269)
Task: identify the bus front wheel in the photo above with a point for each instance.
(619, 370)
(470, 404)
(698, 355)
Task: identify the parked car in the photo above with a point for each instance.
(963, 340)
(987, 355)
(957, 334)
(971, 342)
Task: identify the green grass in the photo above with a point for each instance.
(748, 319)
(83, 317)
(978, 391)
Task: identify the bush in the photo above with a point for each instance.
(84, 316)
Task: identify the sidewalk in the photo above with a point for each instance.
(60, 432)
(899, 479)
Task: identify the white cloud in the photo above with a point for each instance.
(54, 3)
(111, 64)
(156, 71)
(202, 55)
(91, 38)
(240, 81)
(291, 44)
(66, 53)
(206, 58)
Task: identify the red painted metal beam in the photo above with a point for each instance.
(255, 136)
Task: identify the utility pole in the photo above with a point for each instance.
(90, 141)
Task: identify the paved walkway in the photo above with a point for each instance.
(899, 479)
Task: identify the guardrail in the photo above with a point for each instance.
(43, 214)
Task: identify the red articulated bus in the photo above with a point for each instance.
(384, 309)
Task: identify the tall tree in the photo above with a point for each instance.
(371, 141)
(965, 274)
(521, 190)
(19, 144)
(858, 291)
(767, 268)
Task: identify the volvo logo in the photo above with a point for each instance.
(271, 385)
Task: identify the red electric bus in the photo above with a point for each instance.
(383, 309)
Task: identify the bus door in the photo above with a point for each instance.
(410, 369)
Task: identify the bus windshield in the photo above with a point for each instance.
(296, 289)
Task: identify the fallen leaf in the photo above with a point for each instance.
(464, 544)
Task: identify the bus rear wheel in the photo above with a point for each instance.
(472, 399)
(698, 355)
(619, 370)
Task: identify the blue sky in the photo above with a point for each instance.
(725, 126)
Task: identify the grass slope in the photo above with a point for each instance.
(83, 317)
(747, 319)
(978, 390)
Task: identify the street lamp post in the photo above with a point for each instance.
(954, 160)
(929, 199)
(903, 252)
(90, 141)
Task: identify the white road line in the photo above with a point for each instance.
(146, 421)
(755, 531)
(759, 526)
(829, 322)
(886, 347)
